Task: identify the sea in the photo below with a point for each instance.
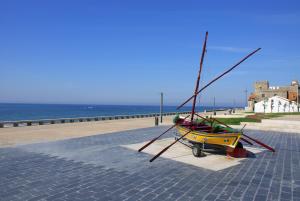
(18, 111)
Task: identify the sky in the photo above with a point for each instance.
(127, 52)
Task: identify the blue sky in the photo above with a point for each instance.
(126, 52)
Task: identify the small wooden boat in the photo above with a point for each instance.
(208, 132)
(202, 133)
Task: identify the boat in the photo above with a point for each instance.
(203, 132)
(207, 133)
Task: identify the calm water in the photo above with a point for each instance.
(12, 112)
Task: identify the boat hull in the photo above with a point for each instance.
(222, 139)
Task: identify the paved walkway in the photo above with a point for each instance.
(100, 168)
(286, 123)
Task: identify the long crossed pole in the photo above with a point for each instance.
(156, 138)
(230, 69)
(251, 138)
(199, 75)
(194, 102)
(166, 148)
(224, 125)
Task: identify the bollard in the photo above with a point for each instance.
(156, 121)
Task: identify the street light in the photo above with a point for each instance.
(161, 106)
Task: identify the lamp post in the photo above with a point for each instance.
(161, 106)
(214, 109)
(246, 93)
(298, 99)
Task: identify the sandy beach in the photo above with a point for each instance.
(33, 134)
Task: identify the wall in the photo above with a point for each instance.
(279, 105)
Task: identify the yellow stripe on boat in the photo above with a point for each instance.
(223, 139)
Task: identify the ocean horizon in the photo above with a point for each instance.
(33, 111)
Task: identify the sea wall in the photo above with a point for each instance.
(7, 124)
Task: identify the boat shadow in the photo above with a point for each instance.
(223, 152)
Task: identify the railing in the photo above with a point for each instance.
(5, 124)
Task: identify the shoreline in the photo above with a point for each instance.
(22, 123)
(13, 136)
(25, 112)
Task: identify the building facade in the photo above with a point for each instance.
(275, 104)
(264, 92)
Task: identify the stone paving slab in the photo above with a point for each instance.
(213, 159)
(100, 168)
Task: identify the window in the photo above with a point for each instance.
(263, 95)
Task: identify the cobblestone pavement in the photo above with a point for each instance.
(98, 168)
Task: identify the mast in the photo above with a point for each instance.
(198, 78)
(220, 76)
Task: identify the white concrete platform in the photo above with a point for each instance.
(290, 123)
(182, 153)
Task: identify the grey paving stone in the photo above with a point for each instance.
(98, 168)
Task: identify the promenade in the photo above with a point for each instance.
(43, 133)
(106, 167)
(33, 134)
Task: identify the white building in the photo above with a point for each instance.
(275, 104)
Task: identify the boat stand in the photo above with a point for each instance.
(238, 152)
(197, 149)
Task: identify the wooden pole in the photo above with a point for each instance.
(247, 141)
(255, 140)
(165, 149)
(154, 139)
(198, 78)
(230, 69)
(260, 143)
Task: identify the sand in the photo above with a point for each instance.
(32, 134)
